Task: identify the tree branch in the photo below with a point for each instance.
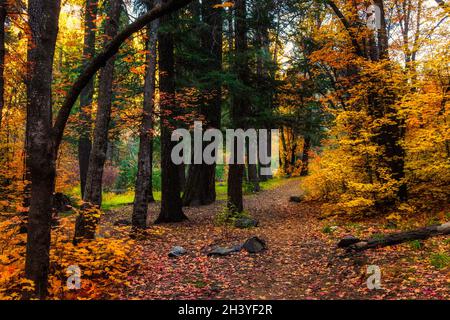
(347, 26)
(100, 60)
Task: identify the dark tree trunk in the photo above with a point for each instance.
(171, 205)
(85, 116)
(253, 177)
(200, 185)
(235, 177)
(43, 16)
(305, 156)
(239, 106)
(264, 176)
(2, 56)
(143, 189)
(252, 172)
(86, 222)
(264, 81)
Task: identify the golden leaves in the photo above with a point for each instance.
(226, 4)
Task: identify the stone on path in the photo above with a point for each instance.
(177, 251)
(255, 245)
(245, 222)
(296, 199)
(222, 251)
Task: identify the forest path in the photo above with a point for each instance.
(301, 261)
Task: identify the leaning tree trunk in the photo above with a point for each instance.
(87, 220)
(200, 186)
(143, 189)
(43, 16)
(2, 56)
(239, 106)
(395, 238)
(171, 205)
(86, 96)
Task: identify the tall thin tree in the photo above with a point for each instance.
(143, 188)
(240, 104)
(2, 56)
(86, 96)
(87, 220)
(171, 205)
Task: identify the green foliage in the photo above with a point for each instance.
(327, 229)
(228, 217)
(415, 245)
(440, 260)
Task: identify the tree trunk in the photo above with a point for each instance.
(43, 17)
(2, 56)
(86, 96)
(87, 221)
(395, 238)
(264, 176)
(305, 156)
(252, 171)
(171, 205)
(200, 185)
(239, 106)
(143, 189)
(264, 81)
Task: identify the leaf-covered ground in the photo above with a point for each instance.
(301, 263)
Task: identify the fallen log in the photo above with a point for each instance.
(394, 238)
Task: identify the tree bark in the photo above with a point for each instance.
(86, 222)
(171, 205)
(43, 17)
(264, 176)
(239, 105)
(2, 56)
(305, 156)
(86, 96)
(396, 238)
(200, 186)
(264, 81)
(143, 188)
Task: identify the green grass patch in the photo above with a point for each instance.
(327, 229)
(415, 244)
(113, 200)
(440, 260)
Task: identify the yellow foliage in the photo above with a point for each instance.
(105, 263)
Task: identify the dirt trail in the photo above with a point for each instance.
(301, 262)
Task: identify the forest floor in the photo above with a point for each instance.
(301, 262)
